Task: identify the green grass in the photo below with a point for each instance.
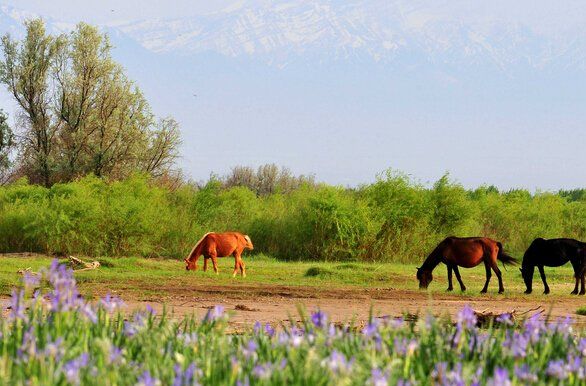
(141, 276)
(581, 311)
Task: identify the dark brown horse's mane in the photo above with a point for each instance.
(435, 256)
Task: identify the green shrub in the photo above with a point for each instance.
(393, 219)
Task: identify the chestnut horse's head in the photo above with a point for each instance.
(248, 242)
(190, 265)
(425, 277)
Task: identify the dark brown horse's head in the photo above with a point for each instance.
(425, 277)
(190, 265)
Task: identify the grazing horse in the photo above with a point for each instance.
(465, 252)
(554, 253)
(213, 245)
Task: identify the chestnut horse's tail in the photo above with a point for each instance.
(194, 250)
(504, 258)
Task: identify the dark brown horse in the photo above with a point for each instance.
(213, 245)
(465, 252)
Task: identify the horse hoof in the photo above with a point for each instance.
(582, 293)
(501, 292)
(449, 289)
(483, 291)
(527, 292)
(546, 292)
(574, 293)
(463, 289)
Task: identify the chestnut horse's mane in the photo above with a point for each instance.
(197, 244)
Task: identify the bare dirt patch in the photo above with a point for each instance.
(280, 304)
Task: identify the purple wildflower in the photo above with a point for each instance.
(185, 378)
(505, 319)
(466, 318)
(249, 350)
(270, 331)
(31, 280)
(111, 303)
(378, 378)
(525, 374)
(189, 339)
(72, 368)
(534, 327)
(87, 310)
(371, 329)
(17, 305)
(405, 346)
(55, 349)
(213, 314)
(337, 362)
(319, 319)
(500, 378)
(115, 355)
(262, 371)
(557, 369)
(145, 379)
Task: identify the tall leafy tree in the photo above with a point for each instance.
(83, 115)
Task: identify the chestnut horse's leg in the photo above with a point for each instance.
(542, 274)
(488, 275)
(243, 269)
(205, 263)
(236, 263)
(457, 272)
(450, 288)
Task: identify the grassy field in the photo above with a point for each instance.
(138, 277)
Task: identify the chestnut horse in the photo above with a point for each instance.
(213, 245)
(465, 252)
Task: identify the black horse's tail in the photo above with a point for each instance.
(504, 258)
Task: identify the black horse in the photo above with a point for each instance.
(554, 253)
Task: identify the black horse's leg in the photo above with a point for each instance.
(542, 274)
(450, 288)
(583, 289)
(457, 272)
(488, 275)
(575, 291)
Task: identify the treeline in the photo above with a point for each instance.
(393, 219)
(78, 113)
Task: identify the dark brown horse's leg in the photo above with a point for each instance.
(499, 276)
(450, 288)
(488, 275)
(542, 274)
(457, 272)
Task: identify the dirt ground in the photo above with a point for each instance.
(277, 304)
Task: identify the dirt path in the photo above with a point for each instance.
(275, 304)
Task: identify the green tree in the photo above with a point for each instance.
(83, 115)
(25, 70)
(6, 145)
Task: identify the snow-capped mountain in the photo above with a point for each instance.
(281, 32)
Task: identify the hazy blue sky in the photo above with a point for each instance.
(493, 92)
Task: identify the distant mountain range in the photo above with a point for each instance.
(347, 88)
(399, 32)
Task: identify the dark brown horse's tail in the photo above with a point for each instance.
(504, 258)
